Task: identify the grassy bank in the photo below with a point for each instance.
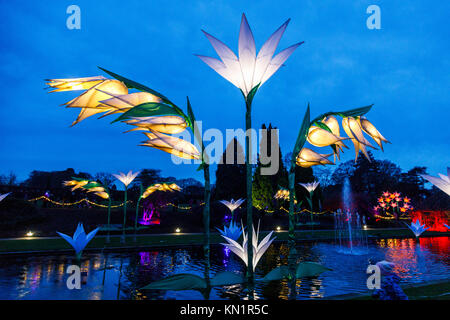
(54, 244)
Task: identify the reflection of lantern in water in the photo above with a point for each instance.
(147, 257)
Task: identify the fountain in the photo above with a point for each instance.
(350, 235)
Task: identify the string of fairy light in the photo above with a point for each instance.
(181, 207)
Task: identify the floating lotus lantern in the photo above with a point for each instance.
(258, 248)
(417, 228)
(233, 231)
(443, 182)
(79, 240)
(248, 73)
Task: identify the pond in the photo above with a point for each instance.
(44, 276)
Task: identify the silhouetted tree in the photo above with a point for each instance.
(265, 186)
(148, 177)
(230, 177)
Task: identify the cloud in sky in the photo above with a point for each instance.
(402, 69)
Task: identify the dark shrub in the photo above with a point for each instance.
(14, 212)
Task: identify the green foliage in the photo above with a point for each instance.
(265, 186)
(136, 85)
(148, 109)
(263, 192)
(251, 95)
(301, 138)
(349, 113)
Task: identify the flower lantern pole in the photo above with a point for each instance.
(108, 238)
(126, 179)
(324, 131)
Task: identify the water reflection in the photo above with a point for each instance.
(121, 275)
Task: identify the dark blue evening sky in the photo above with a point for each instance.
(403, 69)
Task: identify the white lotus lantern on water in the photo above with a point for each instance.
(258, 248)
(417, 228)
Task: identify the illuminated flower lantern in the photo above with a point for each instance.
(443, 182)
(97, 88)
(3, 196)
(97, 188)
(310, 187)
(79, 240)
(148, 111)
(392, 206)
(258, 248)
(248, 72)
(324, 131)
(232, 205)
(150, 215)
(282, 194)
(126, 179)
(417, 228)
(232, 231)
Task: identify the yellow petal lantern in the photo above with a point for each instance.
(160, 187)
(353, 129)
(163, 124)
(123, 103)
(96, 189)
(322, 138)
(282, 194)
(332, 123)
(178, 147)
(370, 129)
(307, 158)
(76, 184)
(102, 194)
(98, 89)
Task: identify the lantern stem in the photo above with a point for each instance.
(248, 169)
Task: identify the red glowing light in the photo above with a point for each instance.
(433, 219)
